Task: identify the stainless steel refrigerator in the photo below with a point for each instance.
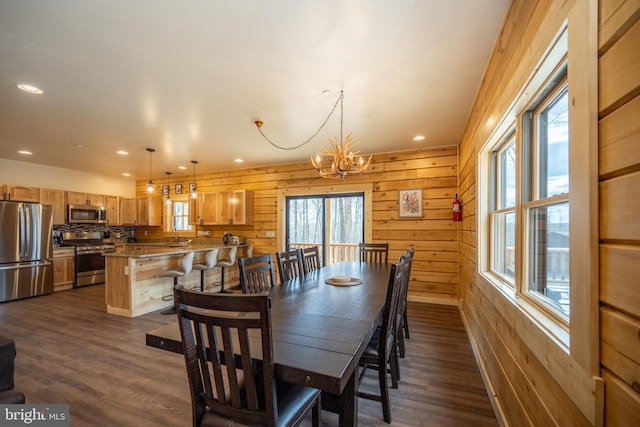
(26, 250)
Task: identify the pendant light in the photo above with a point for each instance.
(168, 202)
(150, 183)
(194, 192)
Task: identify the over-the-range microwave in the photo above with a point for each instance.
(82, 214)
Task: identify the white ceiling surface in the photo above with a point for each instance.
(188, 78)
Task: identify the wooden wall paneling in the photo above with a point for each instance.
(619, 79)
(615, 18)
(625, 369)
(619, 140)
(619, 272)
(621, 332)
(620, 208)
(621, 403)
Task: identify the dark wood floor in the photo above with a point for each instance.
(71, 351)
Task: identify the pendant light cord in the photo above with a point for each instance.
(339, 100)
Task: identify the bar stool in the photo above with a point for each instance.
(185, 268)
(210, 261)
(227, 262)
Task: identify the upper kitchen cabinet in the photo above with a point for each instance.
(222, 208)
(55, 198)
(75, 198)
(208, 209)
(113, 210)
(128, 214)
(22, 194)
(236, 207)
(149, 211)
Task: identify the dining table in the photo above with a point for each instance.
(321, 325)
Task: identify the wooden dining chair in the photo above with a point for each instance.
(374, 252)
(289, 264)
(382, 349)
(402, 305)
(257, 274)
(240, 390)
(310, 258)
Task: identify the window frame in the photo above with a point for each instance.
(552, 89)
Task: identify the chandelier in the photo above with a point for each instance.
(340, 159)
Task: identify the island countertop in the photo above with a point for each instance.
(148, 250)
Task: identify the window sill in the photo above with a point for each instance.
(555, 331)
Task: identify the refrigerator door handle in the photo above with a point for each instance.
(25, 265)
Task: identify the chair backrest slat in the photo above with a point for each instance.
(374, 252)
(257, 274)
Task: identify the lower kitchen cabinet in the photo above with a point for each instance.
(63, 268)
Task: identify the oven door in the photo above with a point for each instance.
(89, 268)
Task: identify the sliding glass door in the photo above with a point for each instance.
(334, 222)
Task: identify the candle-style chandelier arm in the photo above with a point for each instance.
(259, 124)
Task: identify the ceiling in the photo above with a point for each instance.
(189, 78)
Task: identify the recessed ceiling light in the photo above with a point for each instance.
(25, 152)
(238, 160)
(30, 89)
(418, 138)
(126, 174)
(182, 167)
(122, 152)
(77, 145)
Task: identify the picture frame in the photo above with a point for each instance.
(165, 190)
(178, 188)
(410, 203)
(192, 187)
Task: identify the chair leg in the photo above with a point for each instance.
(405, 323)
(172, 309)
(394, 367)
(401, 341)
(315, 413)
(222, 291)
(384, 394)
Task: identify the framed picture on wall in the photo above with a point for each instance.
(165, 190)
(192, 187)
(178, 188)
(410, 203)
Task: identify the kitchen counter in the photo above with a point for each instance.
(132, 285)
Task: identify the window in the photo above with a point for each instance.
(527, 195)
(181, 215)
(546, 206)
(503, 209)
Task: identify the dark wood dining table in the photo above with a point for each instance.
(319, 331)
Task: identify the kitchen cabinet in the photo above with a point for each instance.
(149, 211)
(236, 207)
(113, 210)
(75, 198)
(55, 198)
(22, 194)
(222, 208)
(209, 208)
(128, 211)
(63, 268)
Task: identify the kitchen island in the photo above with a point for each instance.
(132, 287)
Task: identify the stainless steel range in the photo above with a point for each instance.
(89, 260)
